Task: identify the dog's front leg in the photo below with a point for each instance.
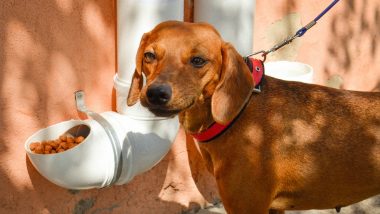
(243, 197)
(276, 212)
(247, 206)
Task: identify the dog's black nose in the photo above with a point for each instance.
(159, 94)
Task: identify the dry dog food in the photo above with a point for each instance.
(63, 143)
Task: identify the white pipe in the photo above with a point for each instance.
(233, 19)
(290, 71)
(134, 18)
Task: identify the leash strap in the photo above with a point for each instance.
(299, 33)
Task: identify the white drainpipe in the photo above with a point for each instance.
(117, 146)
(134, 18)
(233, 19)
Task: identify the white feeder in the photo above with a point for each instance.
(118, 146)
(290, 71)
(112, 153)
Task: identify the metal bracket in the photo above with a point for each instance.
(80, 103)
(112, 135)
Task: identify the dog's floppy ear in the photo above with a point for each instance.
(234, 87)
(137, 78)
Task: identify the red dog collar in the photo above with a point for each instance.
(257, 69)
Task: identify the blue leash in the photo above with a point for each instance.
(326, 10)
(299, 33)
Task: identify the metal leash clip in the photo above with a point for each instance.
(286, 41)
(274, 48)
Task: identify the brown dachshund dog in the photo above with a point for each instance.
(294, 146)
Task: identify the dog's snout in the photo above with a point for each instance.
(159, 94)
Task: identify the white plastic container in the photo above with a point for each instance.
(290, 71)
(115, 149)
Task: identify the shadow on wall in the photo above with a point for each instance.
(46, 55)
(354, 45)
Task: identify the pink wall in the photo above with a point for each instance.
(51, 48)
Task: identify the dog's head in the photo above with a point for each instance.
(186, 64)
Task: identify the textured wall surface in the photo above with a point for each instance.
(51, 48)
(343, 46)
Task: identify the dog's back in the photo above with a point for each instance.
(322, 145)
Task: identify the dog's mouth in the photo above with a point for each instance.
(164, 111)
(161, 112)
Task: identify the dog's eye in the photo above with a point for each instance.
(149, 56)
(198, 62)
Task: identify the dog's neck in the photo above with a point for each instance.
(198, 117)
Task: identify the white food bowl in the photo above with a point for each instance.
(290, 71)
(97, 162)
